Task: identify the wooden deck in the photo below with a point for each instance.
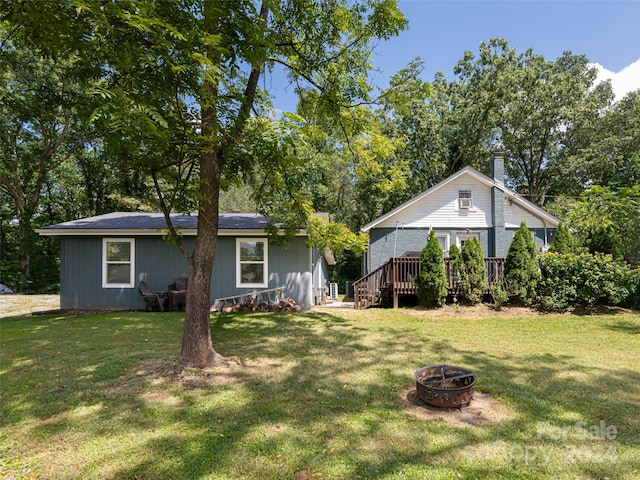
(395, 278)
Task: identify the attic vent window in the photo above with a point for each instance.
(464, 199)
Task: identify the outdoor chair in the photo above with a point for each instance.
(178, 293)
(153, 300)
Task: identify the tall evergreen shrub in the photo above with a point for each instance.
(521, 272)
(455, 268)
(562, 240)
(473, 275)
(432, 281)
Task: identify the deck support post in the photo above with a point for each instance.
(394, 284)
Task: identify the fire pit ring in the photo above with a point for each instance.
(445, 386)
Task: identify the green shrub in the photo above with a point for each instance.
(521, 272)
(455, 263)
(432, 281)
(585, 280)
(473, 274)
(562, 241)
(633, 285)
(500, 296)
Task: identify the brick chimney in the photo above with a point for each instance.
(499, 247)
(497, 167)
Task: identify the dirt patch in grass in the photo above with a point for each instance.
(16, 305)
(482, 310)
(482, 410)
(167, 372)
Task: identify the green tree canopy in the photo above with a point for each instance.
(606, 207)
(181, 88)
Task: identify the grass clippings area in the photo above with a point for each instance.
(320, 395)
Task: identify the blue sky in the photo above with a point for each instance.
(607, 32)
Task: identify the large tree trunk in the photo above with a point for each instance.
(197, 349)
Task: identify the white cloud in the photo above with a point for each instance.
(624, 81)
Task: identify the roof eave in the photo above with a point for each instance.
(438, 186)
(534, 209)
(86, 232)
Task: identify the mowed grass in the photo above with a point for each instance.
(319, 395)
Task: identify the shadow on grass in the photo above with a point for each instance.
(625, 327)
(317, 394)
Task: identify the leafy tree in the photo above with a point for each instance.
(473, 275)
(604, 240)
(562, 240)
(545, 106)
(621, 166)
(181, 84)
(42, 101)
(541, 113)
(521, 267)
(605, 149)
(443, 126)
(432, 281)
(606, 207)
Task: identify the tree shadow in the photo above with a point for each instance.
(310, 393)
(625, 326)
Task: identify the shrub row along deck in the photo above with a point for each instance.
(395, 278)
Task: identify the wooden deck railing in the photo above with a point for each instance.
(371, 289)
(395, 278)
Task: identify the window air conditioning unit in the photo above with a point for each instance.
(464, 203)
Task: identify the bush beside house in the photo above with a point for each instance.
(473, 274)
(582, 280)
(521, 273)
(563, 241)
(432, 281)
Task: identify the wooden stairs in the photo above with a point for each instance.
(394, 278)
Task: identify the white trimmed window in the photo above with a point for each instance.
(252, 262)
(465, 201)
(443, 240)
(118, 262)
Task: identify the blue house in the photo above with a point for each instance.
(465, 205)
(103, 259)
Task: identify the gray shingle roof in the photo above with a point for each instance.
(136, 221)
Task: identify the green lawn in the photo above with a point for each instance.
(321, 395)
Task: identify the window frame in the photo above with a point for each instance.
(240, 263)
(460, 198)
(446, 238)
(462, 237)
(131, 262)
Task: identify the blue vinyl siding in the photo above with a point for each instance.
(159, 264)
(383, 242)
